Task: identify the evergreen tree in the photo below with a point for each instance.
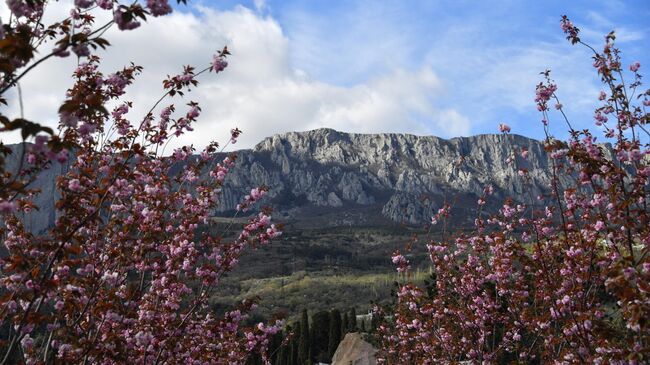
(255, 360)
(281, 356)
(286, 354)
(345, 325)
(303, 344)
(286, 349)
(363, 325)
(294, 344)
(335, 331)
(319, 336)
(353, 320)
(374, 322)
(275, 347)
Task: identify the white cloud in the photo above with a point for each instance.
(260, 92)
(601, 25)
(260, 5)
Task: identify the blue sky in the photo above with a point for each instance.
(446, 68)
(346, 42)
(468, 44)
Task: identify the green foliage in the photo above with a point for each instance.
(319, 335)
(352, 324)
(335, 331)
(281, 358)
(275, 347)
(303, 341)
(294, 344)
(313, 291)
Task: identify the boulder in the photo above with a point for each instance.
(353, 350)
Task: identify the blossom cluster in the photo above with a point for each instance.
(565, 282)
(127, 271)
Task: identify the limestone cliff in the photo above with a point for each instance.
(347, 178)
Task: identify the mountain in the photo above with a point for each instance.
(326, 177)
(365, 178)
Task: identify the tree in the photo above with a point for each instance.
(275, 347)
(280, 357)
(284, 354)
(566, 283)
(345, 322)
(295, 342)
(352, 324)
(303, 345)
(124, 275)
(335, 331)
(319, 335)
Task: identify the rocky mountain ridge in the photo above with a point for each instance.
(328, 177)
(400, 177)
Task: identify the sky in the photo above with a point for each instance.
(444, 68)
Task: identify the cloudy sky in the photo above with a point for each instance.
(445, 68)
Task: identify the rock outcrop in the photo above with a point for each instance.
(398, 177)
(353, 350)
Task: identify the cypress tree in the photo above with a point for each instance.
(303, 344)
(294, 344)
(353, 320)
(256, 359)
(286, 353)
(374, 322)
(281, 356)
(345, 325)
(319, 336)
(275, 347)
(335, 331)
(288, 348)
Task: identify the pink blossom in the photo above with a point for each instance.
(634, 67)
(569, 29)
(116, 82)
(74, 185)
(234, 134)
(62, 156)
(86, 129)
(7, 207)
(602, 96)
(218, 64)
(105, 4)
(83, 3)
(159, 7)
(23, 8)
(401, 262)
(124, 19)
(27, 342)
(193, 113)
(504, 128)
